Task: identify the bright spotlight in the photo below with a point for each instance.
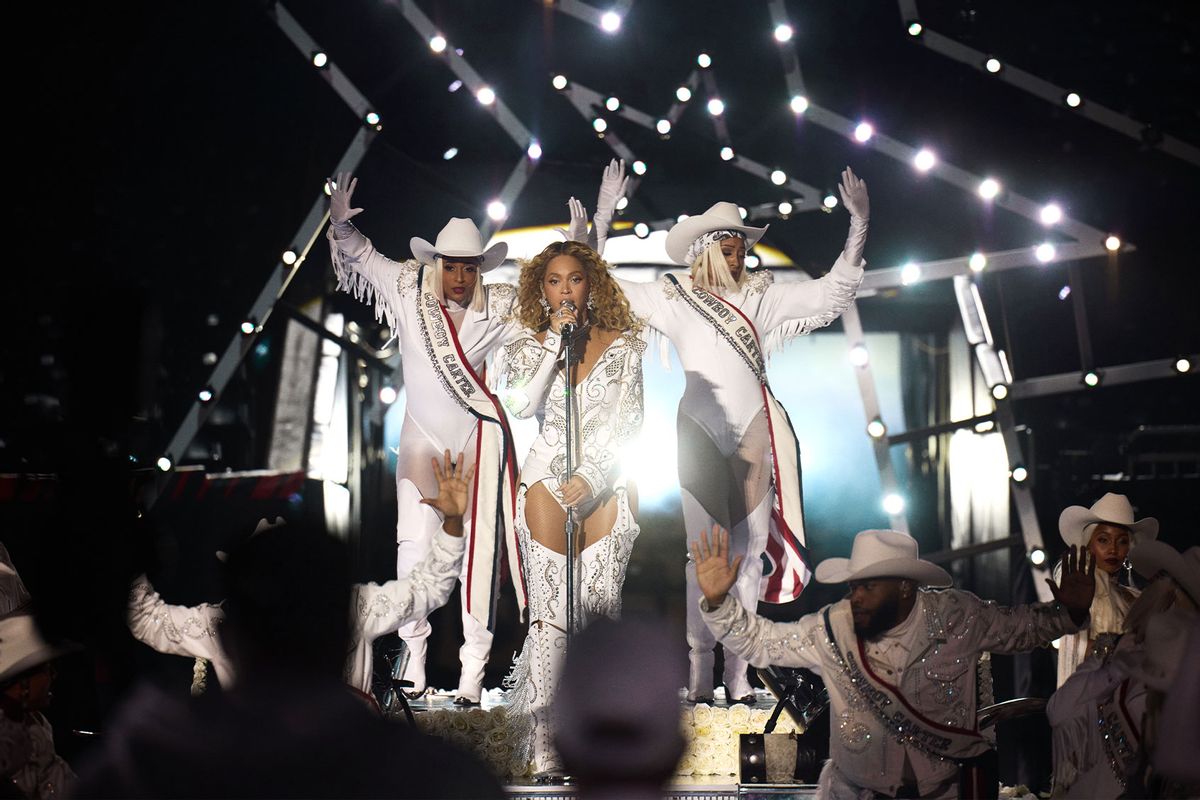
(859, 356)
(752, 261)
(486, 96)
(830, 202)
(915, 29)
(1064, 292)
(989, 188)
(716, 106)
(208, 359)
(799, 104)
(977, 262)
(893, 504)
(783, 32)
(388, 395)
(371, 118)
(612, 104)
(704, 60)
(248, 327)
(993, 65)
(450, 153)
(924, 160)
(641, 230)
(320, 60)
(863, 132)
(622, 204)
(559, 82)
(726, 153)
(437, 43)
(683, 94)
(599, 125)
(999, 391)
(496, 210)
(164, 463)
(289, 257)
(1183, 365)
(876, 429)
(742, 212)
(534, 150)
(910, 274)
(984, 427)
(682, 217)
(639, 167)
(610, 22)
(1091, 378)
(663, 126)
(785, 208)
(205, 395)
(1045, 252)
(1112, 244)
(454, 86)
(1037, 557)
(1051, 214)
(1020, 474)
(1073, 100)
(778, 177)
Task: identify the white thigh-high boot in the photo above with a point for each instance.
(748, 539)
(473, 655)
(415, 527)
(603, 565)
(546, 645)
(699, 638)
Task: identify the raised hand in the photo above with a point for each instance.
(853, 190)
(612, 188)
(714, 572)
(576, 491)
(577, 230)
(1077, 584)
(341, 191)
(453, 482)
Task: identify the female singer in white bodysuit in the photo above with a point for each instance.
(567, 283)
(725, 448)
(433, 423)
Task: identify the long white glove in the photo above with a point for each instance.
(854, 197)
(341, 209)
(577, 230)
(612, 188)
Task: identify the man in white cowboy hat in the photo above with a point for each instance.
(447, 322)
(897, 658)
(739, 464)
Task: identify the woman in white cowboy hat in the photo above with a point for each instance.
(1108, 531)
(444, 343)
(738, 457)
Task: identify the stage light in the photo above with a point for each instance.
(989, 188)
(716, 106)
(205, 395)
(876, 429)
(599, 125)
(639, 168)
(1112, 244)
(799, 104)
(164, 463)
(1037, 557)
(663, 126)
(924, 160)
(559, 82)
(388, 395)
(496, 210)
(1073, 100)
(641, 230)
(289, 257)
(1045, 252)
(999, 391)
(329, 186)
(704, 60)
(454, 86)
(486, 96)
(248, 327)
(984, 427)
(208, 359)
(450, 153)
(752, 261)
(893, 504)
(683, 94)
(534, 150)
(1183, 365)
(783, 32)
(372, 118)
(610, 22)
(910, 274)
(993, 65)
(785, 208)
(915, 29)
(830, 202)
(437, 43)
(682, 217)
(364, 380)
(320, 60)
(726, 153)
(778, 177)
(1091, 379)
(1020, 474)
(612, 104)
(859, 356)
(622, 204)
(863, 132)
(977, 262)
(1064, 292)
(1051, 214)
(742, 212)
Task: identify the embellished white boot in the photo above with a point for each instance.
(547, 646)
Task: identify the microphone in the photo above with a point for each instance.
(568, 328)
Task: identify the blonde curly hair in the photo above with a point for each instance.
(611, 309)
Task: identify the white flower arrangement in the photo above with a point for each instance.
(487, 733)
(712, 732)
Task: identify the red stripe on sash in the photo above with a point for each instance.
(1133, 729)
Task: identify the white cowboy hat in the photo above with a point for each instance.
(882, 554)
(1152, 557)
(1113, 509)
(721, 216)
(459, 238)
(1163, 649)
(23, 648)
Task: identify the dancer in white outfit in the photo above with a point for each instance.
(606, 411)
(447, 323)
(738, 461)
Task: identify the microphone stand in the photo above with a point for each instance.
(570, 434)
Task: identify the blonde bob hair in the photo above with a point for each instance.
(607, 306)
(478, 299)
(711, 273)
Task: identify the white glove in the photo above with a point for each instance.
(854, 195)
(340, 210)
(577, 231)
(612, 189)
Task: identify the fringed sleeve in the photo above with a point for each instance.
(789, 310)
(372, 278)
